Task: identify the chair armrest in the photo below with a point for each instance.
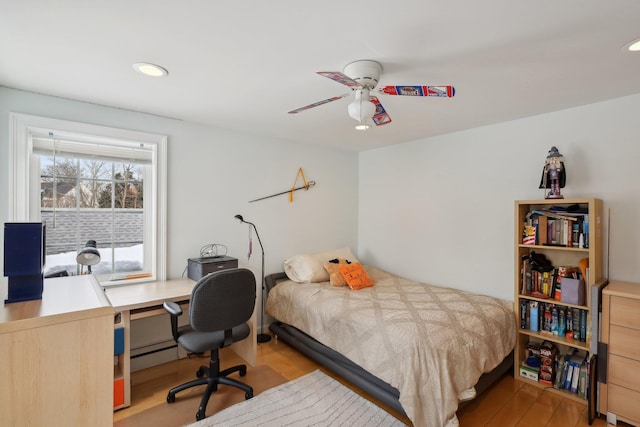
(174, 310)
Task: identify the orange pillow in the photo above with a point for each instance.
(355, 276)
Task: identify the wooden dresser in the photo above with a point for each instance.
(620, 395)
(57, 357)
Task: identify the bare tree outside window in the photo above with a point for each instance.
(93, 200)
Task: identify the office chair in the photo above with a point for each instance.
(220, 306)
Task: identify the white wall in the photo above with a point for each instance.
(212, 175)
(441, 210)
(438, 210)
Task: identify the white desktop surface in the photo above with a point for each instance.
(63, 299)
(146, 294)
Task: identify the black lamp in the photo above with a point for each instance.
(89, 255)
(261, 337)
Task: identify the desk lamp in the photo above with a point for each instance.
(88, 256)
(260, 337)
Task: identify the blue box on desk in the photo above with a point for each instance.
(24, 259)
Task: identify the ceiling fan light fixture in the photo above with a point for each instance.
(151, 70)
(633, 46)
(362, 109)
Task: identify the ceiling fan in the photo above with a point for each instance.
(362, 78)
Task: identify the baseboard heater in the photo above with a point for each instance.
(154, 354)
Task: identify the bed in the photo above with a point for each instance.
(420, 349)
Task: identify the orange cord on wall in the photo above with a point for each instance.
(293, 187)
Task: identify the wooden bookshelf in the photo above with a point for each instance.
(569, 255)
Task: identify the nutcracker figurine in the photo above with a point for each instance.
(553, 174)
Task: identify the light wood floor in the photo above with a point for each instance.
(508, 403)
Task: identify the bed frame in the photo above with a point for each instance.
(352, 372)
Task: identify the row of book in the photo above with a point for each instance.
(573, 373)
(546, 284)
(553, 319)
(570, 373)
(542, 227)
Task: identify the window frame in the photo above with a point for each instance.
(24, 186)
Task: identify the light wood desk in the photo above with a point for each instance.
(141, 300)
(57, 356)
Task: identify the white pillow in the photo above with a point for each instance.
(309, 268)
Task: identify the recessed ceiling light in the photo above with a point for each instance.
(633, 46)
(151, 70)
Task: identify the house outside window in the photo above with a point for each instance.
(86, 183)
(97, 200)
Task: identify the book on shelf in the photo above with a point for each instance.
(545, 282)
(583, 325)
(574, 209)
(575, 377)
(582, 380)
(568, 377)
(585, 231)
(563, 369)
(554, 320)
(548, 356)
(553, 215)
(549, 228)
(526, 276)
(541, 230)
(573, 373)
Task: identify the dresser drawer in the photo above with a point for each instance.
(624, 372)
(624, 402)
(625, 312)
(624, 342)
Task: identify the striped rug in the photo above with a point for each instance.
(311, 400)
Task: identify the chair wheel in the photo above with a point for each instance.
(171, 398)
(243, 371)
(248, 396)
(201, 372)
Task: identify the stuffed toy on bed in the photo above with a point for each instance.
(335, 278)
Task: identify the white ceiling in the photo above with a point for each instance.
(242, 65)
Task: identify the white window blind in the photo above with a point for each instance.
(89, 150)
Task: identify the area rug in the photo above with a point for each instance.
(314, 399)
(183, 410)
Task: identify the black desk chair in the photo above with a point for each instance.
(220, 306)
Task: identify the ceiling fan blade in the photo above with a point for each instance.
(380, 117)
(439, 91)
(315, 104)
(341, 78)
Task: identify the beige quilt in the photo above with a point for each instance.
(431, 343)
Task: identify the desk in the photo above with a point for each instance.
(57, 357)
(141, 300)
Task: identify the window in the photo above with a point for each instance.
(89, 182)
